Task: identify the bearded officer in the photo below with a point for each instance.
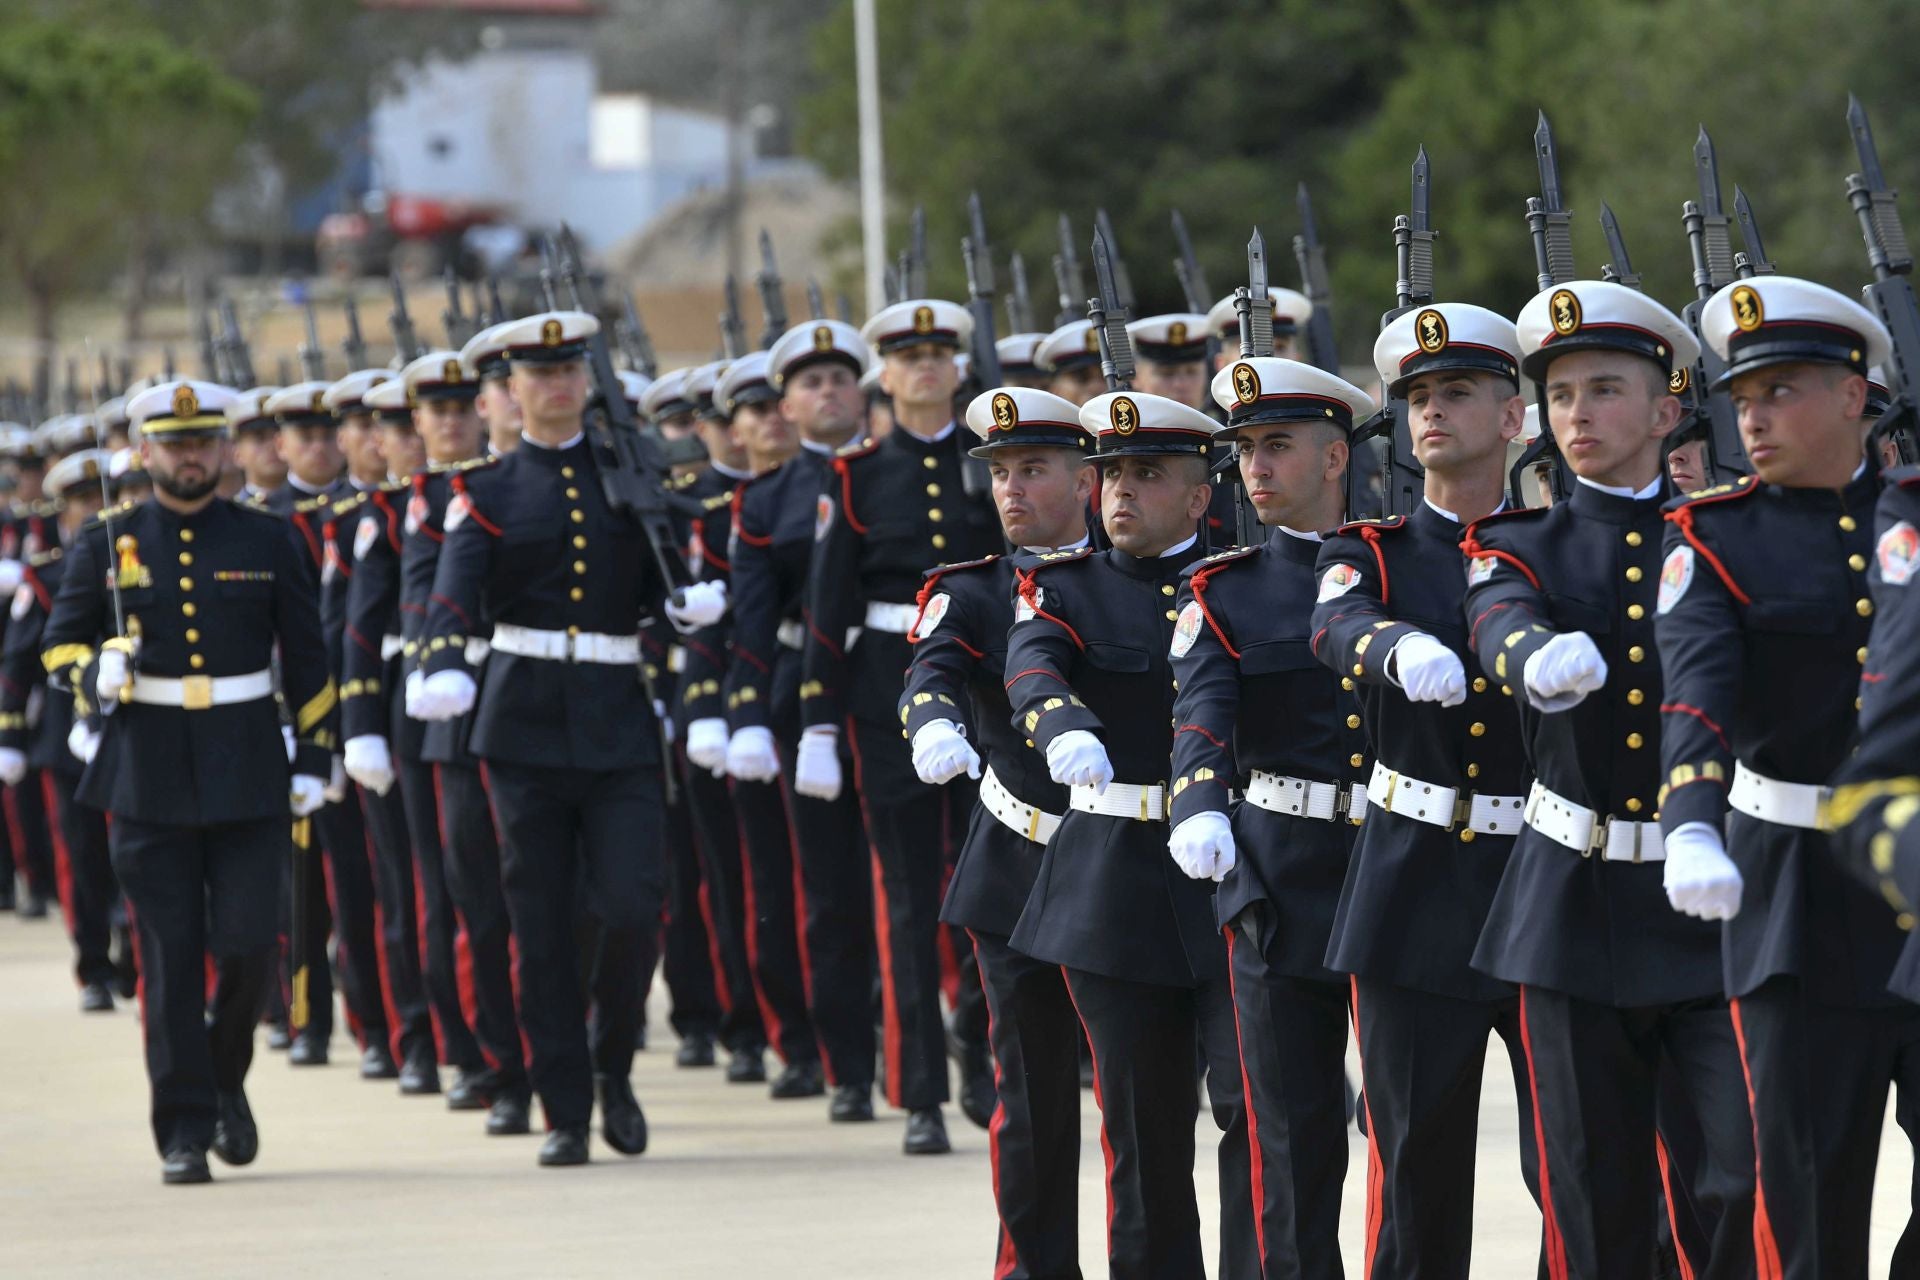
(191, 763)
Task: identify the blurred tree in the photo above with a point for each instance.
(99, 131)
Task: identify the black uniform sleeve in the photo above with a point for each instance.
(1506, 609)
(1353, 626)
(833, 601)
(1206, 707)
(305, 678)
(754, 591)
(373, 603)
(20, 667)
(1698, 632)
(1040, 656)
(79, 618)
(458, 583)
(944, 657)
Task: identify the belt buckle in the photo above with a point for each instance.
(196, 692)
(1393, 785)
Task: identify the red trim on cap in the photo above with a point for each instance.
(1554, 335)
(1507, 356)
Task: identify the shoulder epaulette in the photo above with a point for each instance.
(474, 464)
(249, 508)
(715, 501)
(1384, 522)
(46, 507)
(1509, 514)
(1718, 493)
(1217, 560)
(111, 513)
(308, 505)
(41, 559)
(858, 449)
(1049, 559)
(941, 570)
(1907, 477)
(683, 481)
(351, 501)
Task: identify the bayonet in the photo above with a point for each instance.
(643, 359)
(816, 301)
(843, 307)
(1754, 262)
(1413, 237)
(313, 361)
(210, 366)
(496, 310)
(1019, 303)
(733, 337)
(354, 347)
(1713, 216)
(1891, 294)
(773, 299)
(1122, 281)
(405, 340)
(1620, 266)
(1067, 277)
(1256, 305)
(1311, 256)
(453, 316)
(1555, 234)
(1186, 266)
(548, 275)
(1110, 316)
(239, 357)
(915, 274)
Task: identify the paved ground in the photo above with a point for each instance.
(355, 1180)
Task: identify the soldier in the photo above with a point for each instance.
(1444, 800)
(1291, 311)
(1256, 713)
(1764, 588)
(1070, 357)
(34, 729)
(1173, 356)
(1616, 988)
(815, 980)
(190, 760)
(887, 508)
(1018, 354)
(1093, 688)
(251, 428)
(565, 727)
(29, 528)
(955, 707)
(1687, 456)
(495, 404)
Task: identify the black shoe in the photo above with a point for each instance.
(419, 1074)
(798, 1080)
(468, 1093)
(376, 1062)
(564, 1147)
(309, 1049)
(926, 1133)
(747, 1066)
(622, 1123)
(979, 1094)
(236, 1139)
(279, 1035)
(184, 1165)
(95, 998)
(34, 907)
(852, 1103)
(695, 1051)
(507, 1118)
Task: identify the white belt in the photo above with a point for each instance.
(894, 618)
(391, 647)
(1298, 798)
(1587, 833)
(1014, 813)
(1791, 804)
(1123, 800)
(676, 658)
(560, 646)
(794, 635)
(1409, 797)
(197, 693)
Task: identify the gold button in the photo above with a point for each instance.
(939, 541)
(1507, 690)
(1346, 682)
(196, 661)
(186, 557)
(189, 609)
(1635, 742)
(577, 517)
(1856, 704)
(576, 595)
(1166, 591)
(933, 514)
(1029, 741)
(1356, 760)
(1635, 697)
(929, 463)
(1856, 562)
(1636, 654)
(1636, 611)
(1633, 538)
(186, 584)
(1171, 615)
(579, 566)
(1861, 654)
(579, 540)
(1863, 607)
(1633, 573)
(1633, 806)
(1353, 722)
(193, 635)
(1479, 684)
(933, 490)
(1848, 524)
(186, 535)
(573, 631)
(1358, 670)
(572, 492)
(1476, 729)
(566, 473)
(1473, 771)
(1466, 836)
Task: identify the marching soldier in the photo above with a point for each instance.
(1291, 311)
(190, 760)
(255, 436)
(1616, 988)
(888, 508)
(955, 708)
(1070, 357)
(1763, 588)
(565, 727)
(1092, 687)
(495, 404)
(1018, 354)
(1444, 800)
(1258, 714)
(1173, 357)
(29, 529)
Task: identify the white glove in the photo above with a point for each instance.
(11, 571)
(942, 753)
(1202, 845)
(445, 695)
(707, 744)
(306, 794)
(369, 763)
(113, 671)
(1563, 671)
(1428, 670)
(82, 742)
(816, 770)
(1077, 759)
(13, 765)
(36, 705)
(286, 738)
(337, 783)
(701, 605)
(415, 679)
(1701, 879)
(750, 754)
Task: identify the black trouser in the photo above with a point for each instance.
(89, 890)
(439, 927)
(471, 852)
(319, 928)
(1034, 1140)
(570, 835)
(1595, 1073)
(724, 890)
(836, 912)
(397, 918)
(1421, 1059)
(1233, 1155)
(1817, 1078)
(1293, 1046)
(30, 837)
(195, 892)
(772, 919)
(686, 938)
(911, 827)
(343, 833)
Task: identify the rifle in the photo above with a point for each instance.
(1753, 262)
(1619, 267)
(453, 316)
(1254, 303)
(816, 301)
(1122, 281)
(773, 299)
(1186, 267)
(1706, 228)
(210, 365)
(1110, 315)
(1402, 479)
(913, 264)
(977, 254)
(496, 310)
(641, 356)
(1550, 224)
(1019, 304)
(354, 346)
(1067, 278)
(283, 369)
(1321, 350)
(843, 307)
(73, 385)
(405, 341)
(313, 362)
(239, 358)
(733, 335)
(1891, 294)
(549, 274)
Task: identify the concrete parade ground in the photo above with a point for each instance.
(355, 1180)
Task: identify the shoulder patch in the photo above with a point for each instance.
(1337, 581)
(258, 511)
(684, 481)
(1186, 630)
(930, 615)
(1480, 568)
(941, 570)
(822, 517)
(1897, 552)
(475, 464)
(22, 602)
(114, 512)
(1676, 575)
(1047, 559)
(1385, 522)
(306, 505)
(1718, 493)
(364, 538)
(457, 512)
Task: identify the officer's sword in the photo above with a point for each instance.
(106, 520)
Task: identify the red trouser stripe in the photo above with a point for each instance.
(1556, 1243)
(1006, 1257)
(883, 935)
(1376, 1170)
(462, 940)
(1253, 1121)
(750, 919)
(1766, 1249)
(787, 801)
(1673, 1210)
(1106, 1146)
